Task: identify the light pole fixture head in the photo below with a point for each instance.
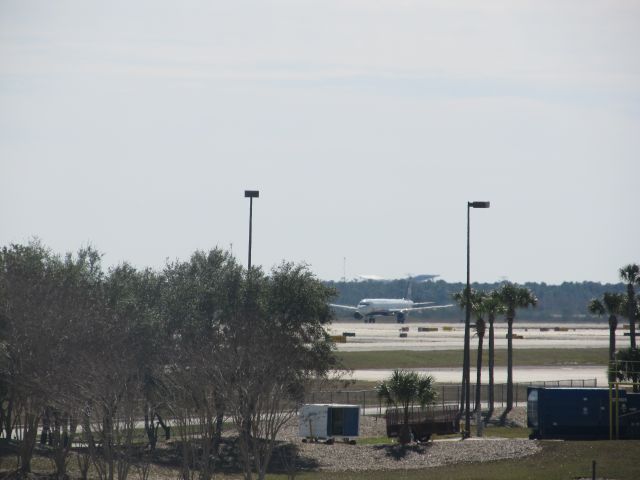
(251, 193)
(479, 204)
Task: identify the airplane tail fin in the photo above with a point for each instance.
(409, 289)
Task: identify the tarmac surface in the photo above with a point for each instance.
(385, 335)
(521, 374)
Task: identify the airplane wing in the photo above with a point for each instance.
(416, 309)
(346, 307)
(419, 304)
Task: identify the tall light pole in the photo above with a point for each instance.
(250, 194)
(466, 367)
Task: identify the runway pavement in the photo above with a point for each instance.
(385, 335)
(450, 336)
(521, 374)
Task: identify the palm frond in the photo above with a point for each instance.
(630, 274)
(596, 307)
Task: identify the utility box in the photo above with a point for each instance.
(328, 421)
(630, 424)
(578, 413)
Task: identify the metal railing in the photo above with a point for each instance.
(624, 374)
(448, 394)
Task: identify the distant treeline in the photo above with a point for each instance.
(565, 302)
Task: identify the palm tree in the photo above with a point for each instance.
(627, 364)
(492, 306)
(611, 303)
(631, 275)
(402, 390)
(481, 327)
(476, 298)
(513, 297)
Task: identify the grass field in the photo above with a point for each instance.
(557, 461)
(453, 358)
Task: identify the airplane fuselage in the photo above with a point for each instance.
(370, 307)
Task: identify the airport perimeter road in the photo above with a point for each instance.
(450, 336)
(520, 374)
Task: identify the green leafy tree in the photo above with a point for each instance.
(44, 300)
(28, 311)
(203, 338)
(274, 347)
(201, 296)
(136, 295)
(404, 389)
(112, 373)
(78, 280)
(613, 304)
(513, 297)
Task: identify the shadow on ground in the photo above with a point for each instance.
(506, 418)
(399, 452)
(286, 458)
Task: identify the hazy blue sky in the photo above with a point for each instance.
(367, 125)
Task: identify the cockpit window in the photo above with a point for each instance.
(364, 304)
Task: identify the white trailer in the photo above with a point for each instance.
(322, 421)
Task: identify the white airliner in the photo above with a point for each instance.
(369, 308)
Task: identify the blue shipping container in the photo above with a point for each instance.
(570, 412)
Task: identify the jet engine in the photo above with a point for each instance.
(357, 315)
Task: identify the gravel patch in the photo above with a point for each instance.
(515, 418)
(343, 457)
